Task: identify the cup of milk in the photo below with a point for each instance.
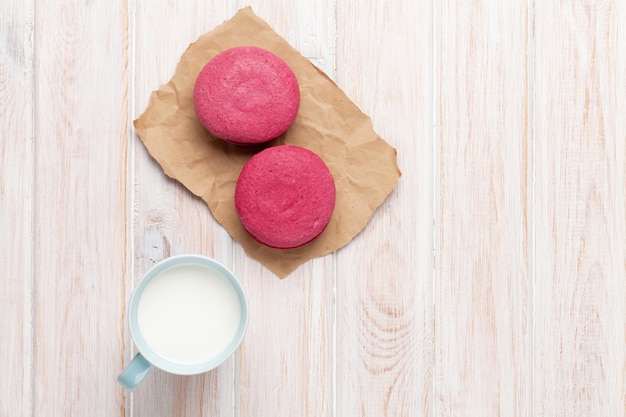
(187, 315)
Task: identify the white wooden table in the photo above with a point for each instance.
(490, 283)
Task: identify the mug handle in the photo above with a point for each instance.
(135, 372)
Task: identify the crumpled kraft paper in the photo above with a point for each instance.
(364, 165)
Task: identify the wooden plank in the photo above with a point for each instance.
(579, 357)
(167, 218)
(284, 366)
(384, 276)
(16, 206)
(481, 286)
(80, 213)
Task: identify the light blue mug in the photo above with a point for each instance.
(186, 316)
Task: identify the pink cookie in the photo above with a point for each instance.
(246, 95)
(285, 196)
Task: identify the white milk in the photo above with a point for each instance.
(189, 313)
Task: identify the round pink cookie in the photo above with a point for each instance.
(246, 95)
(285, 196)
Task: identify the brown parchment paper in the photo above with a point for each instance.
(328, 123)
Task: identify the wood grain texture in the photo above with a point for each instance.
(167, 218)
(285, 363)
(481, 285)
(580, 286)
(16, 206)
(491, 281)
(384, 276)
(80, 213)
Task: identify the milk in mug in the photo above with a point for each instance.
(189, 313)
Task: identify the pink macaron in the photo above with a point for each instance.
(246, 95)
(285, 196)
